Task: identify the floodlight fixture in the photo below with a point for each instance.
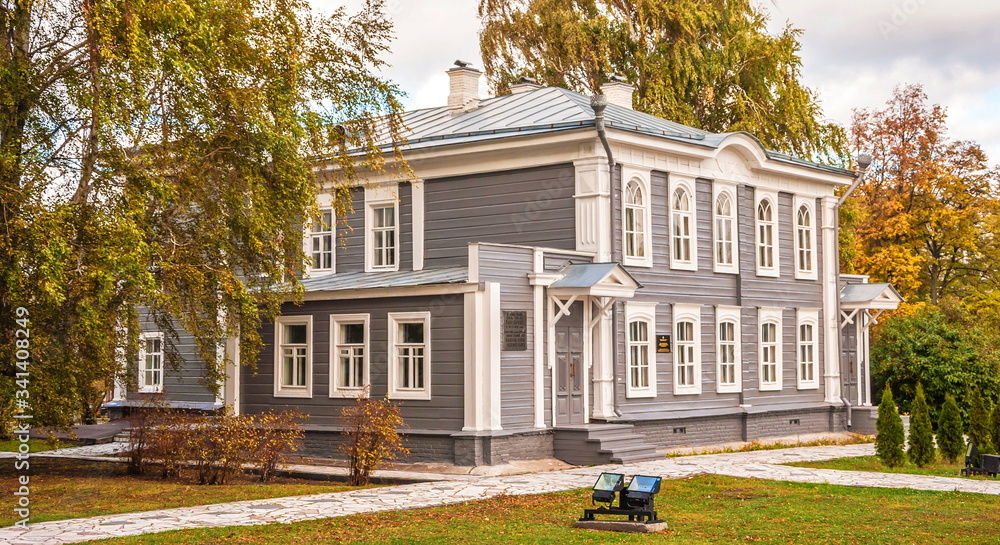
(607, 485)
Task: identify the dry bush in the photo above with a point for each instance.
(371, 430)
(276, 435)
(168, 440)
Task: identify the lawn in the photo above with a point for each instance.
(704, 509)
(871, 463)
(62, 488)
(37, 445)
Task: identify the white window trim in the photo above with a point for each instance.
(280, 390)
(800, 273)
(807, 317)
(143, 387)
(645, 312)
(335, 322)
(378, 197)
(767, 315)
(689, 186)
(309, 235)
(729, 314)
(394, 319)
(687, 313)
(720, 188)
(772, 197)
(642, 178)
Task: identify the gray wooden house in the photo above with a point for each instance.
(543, 289)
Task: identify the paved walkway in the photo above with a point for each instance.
(760, 464)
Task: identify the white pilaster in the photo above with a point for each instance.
(231, 386)
(417, 191)
(831, 302)
(593, 207)
(482, 364)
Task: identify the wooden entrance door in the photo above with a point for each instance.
(570, 408)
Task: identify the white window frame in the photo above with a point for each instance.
(773, 224)
(641, 180)
(687, 313)
(336, 320)
(329, 234)
(807, 272)
(769, 316)
(689, 187)
(145, 387)
(640, 312)
(729, 315)
(810, 318)
(718, 190)
(394, 320)
(280, 389)
(378, 196)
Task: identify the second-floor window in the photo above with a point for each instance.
(636, 229)
(765, 238)
(384, 239)
(805, 257)
(321, 241)
(681, 220)
(724, 230)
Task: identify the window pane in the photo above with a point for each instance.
(352, 333)
(295, 334)
(411, 333)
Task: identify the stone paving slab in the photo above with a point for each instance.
(760, 464)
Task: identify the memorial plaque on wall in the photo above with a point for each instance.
(663, 344)
(515, 330)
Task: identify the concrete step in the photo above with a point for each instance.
(601, 444)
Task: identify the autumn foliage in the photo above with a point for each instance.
(371, 432)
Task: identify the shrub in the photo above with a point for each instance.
(889, 441)
(950, 438)
(995, 426)
(921, 449)
(141, 422)
(276, 435)
(371, 436)
(168, 441)
(978, 426)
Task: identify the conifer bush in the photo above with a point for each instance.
(978, 427)
(921, 449)
(889, 441)
(950, 438)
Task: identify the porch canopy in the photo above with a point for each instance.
(875, 298)
(594, 280)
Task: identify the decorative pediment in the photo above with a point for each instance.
(595, 279)
(880, 296)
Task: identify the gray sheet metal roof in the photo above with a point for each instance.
(391, 279)
(585, 275)
(863, 293)
(552, 109)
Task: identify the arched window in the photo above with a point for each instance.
(687, 349)
(804, 240)
(806, 349)
(681, 219)
(635, 221)
(727, 353)
(729, 366)
(765, 235)
(768, 353)
(724, 230)
(639, 350)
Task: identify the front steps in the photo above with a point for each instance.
(598, 444)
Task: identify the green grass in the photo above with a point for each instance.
(37, 445)
(703, 510)
(62, 489)
(871, 463)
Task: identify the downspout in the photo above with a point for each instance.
(599, 103)
(864, 160)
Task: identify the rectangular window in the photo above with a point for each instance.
(384, 237)
(409, 355)
(770, 344)
(151, 363)
(349, 354)
(806, 349)
(640, 354)
(687, 349)
(321, 238)
(293, 356)
(729, 366)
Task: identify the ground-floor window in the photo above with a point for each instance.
(807, 348)
(151, 363)
(687, 349)
(349, 340)
(293, 356)
(409, 355)
(770, 349)
(640, 355)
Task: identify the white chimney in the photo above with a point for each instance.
(463, 94)
(618, 93)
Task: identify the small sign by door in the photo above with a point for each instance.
(663, 344)
(515, 330)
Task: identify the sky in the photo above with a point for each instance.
(854, 52)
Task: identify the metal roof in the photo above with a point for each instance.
(856, 294)
(585, 275)
(551, 109)
(389, 279)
